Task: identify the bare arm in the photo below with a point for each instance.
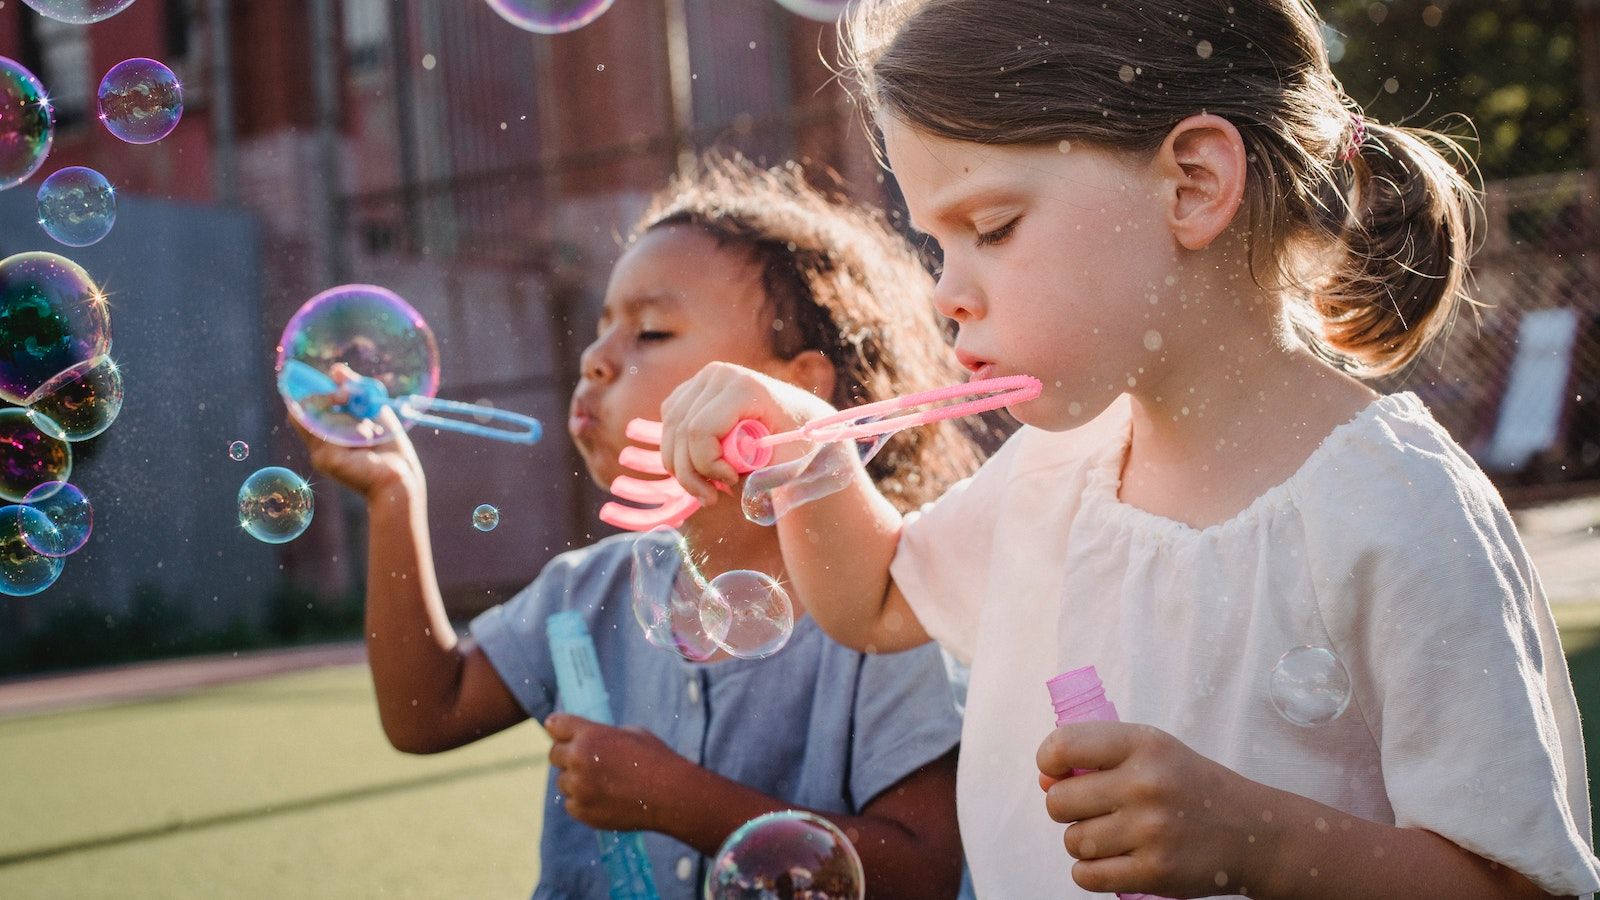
(434, 692)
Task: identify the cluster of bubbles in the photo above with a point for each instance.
(359, 328)
(786, 855)
(77, 206)
(560, 16)
(275, 505)
(140, 100)
(743, 613)
(485, 517)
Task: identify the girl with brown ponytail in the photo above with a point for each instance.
(1336, 670)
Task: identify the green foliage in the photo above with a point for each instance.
(1511, 66)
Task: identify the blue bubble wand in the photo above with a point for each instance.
(583, 693)
(364, 398)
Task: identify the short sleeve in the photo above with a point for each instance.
(941, 564)
(1431, 601)
(514, 638)
(903, 720)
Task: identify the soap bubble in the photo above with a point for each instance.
(770, 493)
(550, 16)
(79, 12)
(84, 400)
(377, 335)
(275, 505)
(68, 513)
(747, 613)
(27, 124)
(819, 10)
(485, 517)
(1310, 686)
(23, 570)
(238, 451)
(33, 451)
(784, 855)
(77, 206)
(140, 100)
(667, 592)
(52, 317)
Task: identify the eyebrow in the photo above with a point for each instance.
(640, 302)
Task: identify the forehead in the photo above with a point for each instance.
(943, 178)
(681, 268)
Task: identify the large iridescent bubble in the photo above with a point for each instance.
(275, 505)
(550, 16)
(84, 400)
(77, 206)
(141, 100)
(787, 855)
(33, 452)
(1310, 686)
(27, 125)
(79, 12)
(668, 591)
(820, 10)
(69, 514)
(23, 570)
(52, 318)
(374, 333)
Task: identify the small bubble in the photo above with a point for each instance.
(1125, 73)
(1152, 340)
(600, 68)
(1203, 49)
(238, 451)
(485, 517)
(429, 62)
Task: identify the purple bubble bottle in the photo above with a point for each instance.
(1078, 696)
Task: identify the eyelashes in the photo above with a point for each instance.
(990, 238)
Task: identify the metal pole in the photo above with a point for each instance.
(223, 134)
(326, 72)
(680, 76)
(405, 119)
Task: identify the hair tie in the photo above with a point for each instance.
(1358, 136)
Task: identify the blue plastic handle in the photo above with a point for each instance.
(367, 397)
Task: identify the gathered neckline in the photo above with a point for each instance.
(1104, 481)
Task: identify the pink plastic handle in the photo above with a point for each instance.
(987, 394)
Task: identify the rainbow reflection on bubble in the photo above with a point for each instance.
(27, 124)
(786, 855)
(77, 206)
(275, 505)
(83, 400)
(33, 451)
(375, 333)
(238, 451)
(23, 570)
(140, 100)
(69, 514)
(550, 16)
(819, 10)
(52, 318)
(79, 12)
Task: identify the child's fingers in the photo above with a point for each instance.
(564, 726)
(679, 404)
(1080, 797)
(1087, 745)
(1113, 874)
(1101, 837)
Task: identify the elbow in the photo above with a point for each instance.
(408, 737)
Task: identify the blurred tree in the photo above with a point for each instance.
(1513, 66)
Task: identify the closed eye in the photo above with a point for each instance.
(652, 336)
(990, 238)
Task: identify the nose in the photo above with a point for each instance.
(595, 364)
(956, 299)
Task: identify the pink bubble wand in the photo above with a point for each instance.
(749, 445)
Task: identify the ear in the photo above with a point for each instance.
(1202, 165)
(811, 370)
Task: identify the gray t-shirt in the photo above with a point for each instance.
(816, 725)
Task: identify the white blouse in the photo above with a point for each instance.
(1388, 547)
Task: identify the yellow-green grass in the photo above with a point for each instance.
(283, 787)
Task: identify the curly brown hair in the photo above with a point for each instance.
(838, 280)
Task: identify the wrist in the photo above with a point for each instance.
(672, 805)
(396, 492)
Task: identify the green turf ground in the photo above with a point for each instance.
(285, 787)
